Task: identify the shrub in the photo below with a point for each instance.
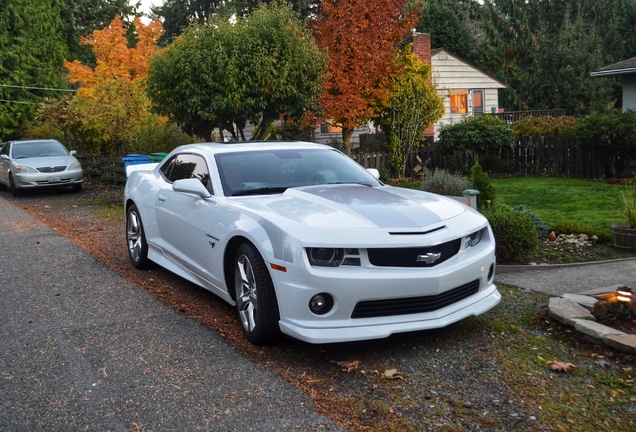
(543, 230)
(443, 182)
(481, 182)
(496, 164)
(571, 227)
(564, 126)
(514, 231)
(478, 135)
(611, 136)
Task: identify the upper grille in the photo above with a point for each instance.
(412, 305)
(407, 257)
(52, 169)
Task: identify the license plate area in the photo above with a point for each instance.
(55, 179)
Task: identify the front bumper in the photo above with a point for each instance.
(350, 286)
(37, 180)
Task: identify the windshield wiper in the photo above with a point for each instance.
(261, 191)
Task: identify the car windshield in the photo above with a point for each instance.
(38, 149)
(273, 171)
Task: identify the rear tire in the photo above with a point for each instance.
(256, 302)
(14, 190)
(136, 239)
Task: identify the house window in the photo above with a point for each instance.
(458, 101)
(327, 128)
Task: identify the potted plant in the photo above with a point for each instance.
(624, 233)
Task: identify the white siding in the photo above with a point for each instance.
(629, 92)
(449, 72)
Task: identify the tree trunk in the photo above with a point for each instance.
(347, 133)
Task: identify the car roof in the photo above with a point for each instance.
(215, 147)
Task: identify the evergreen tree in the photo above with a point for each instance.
(31, 52)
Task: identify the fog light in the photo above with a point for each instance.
(491, 272)
(321, 304)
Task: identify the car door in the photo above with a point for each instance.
(5, 164)
(184, 219)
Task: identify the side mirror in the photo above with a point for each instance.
(374, 172)
(192, 186)
(73, 152)
(4, 157)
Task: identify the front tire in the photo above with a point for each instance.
(136, 239)
(14, 190)
(255, 297)
(77, 187)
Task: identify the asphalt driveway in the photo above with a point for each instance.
(81, 347)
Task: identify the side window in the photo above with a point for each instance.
(186, 166)
(5, 149)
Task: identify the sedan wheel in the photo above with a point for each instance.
(14, 190)
(136, 239)
(255, 297)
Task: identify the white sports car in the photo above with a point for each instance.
(305, 242)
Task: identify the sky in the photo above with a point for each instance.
(146, 4)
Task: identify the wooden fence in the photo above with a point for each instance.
(531, 156)
(101, 169)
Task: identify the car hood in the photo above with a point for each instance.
(357, 206)
(49, 161)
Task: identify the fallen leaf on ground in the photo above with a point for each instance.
(561, 366)
(391, 374)
(349, 366)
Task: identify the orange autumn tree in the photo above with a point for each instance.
(114, 58)
(361, 37)
(111, 113)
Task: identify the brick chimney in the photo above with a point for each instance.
(422, 46)
(422, 49)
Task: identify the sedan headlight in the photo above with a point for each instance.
(25, 169)
(75, 166)
(333, 257)
(473, 239)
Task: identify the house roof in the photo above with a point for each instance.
(621, 68)
(438, 50)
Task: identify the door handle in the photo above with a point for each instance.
(161, 198)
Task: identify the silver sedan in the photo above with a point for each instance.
(32, 164)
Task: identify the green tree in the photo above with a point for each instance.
(449, 28)
(31, 52)
(177, 15)
(220, 75)
(512, 29)
(82, 17)
(566, 59)
(412, 106)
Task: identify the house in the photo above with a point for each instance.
(466, 89)
(627, 71)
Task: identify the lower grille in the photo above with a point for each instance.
(413, 305)
(407, 257)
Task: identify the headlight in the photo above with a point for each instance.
(75, 166)
(333, 257)
(473, 239)
(325, 257)
(25, 169)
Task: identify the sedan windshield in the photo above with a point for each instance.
(273, 171)
(38, 149)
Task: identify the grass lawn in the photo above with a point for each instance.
(556, 199)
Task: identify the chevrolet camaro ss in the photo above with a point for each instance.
(307, 243)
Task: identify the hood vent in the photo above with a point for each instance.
(418, 232)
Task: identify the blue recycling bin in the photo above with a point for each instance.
(134, 159)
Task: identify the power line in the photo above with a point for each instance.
(36, 88)
(20, 102)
